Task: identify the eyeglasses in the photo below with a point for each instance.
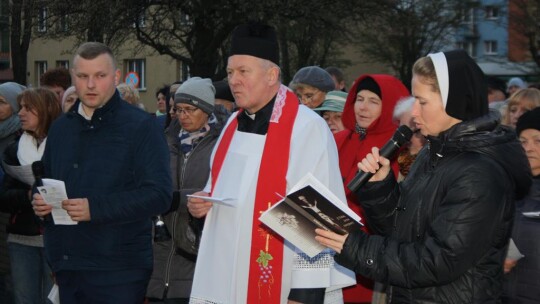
(308, 97)
(187, 111)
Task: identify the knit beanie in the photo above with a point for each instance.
(223, 91)
(529, 120)
(496, 84)
(518, 82)
(462, 84)
(9, 91)
(255, 39)
(333, 102)
(313, 76)
(369, 84)
(197, 92)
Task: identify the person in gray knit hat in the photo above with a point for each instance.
(197, 92)
(191, 136)
(311, 84)
(9, 120)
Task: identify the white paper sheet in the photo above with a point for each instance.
(216, 200)
(21, 173)
(54, 192)
(533, 214)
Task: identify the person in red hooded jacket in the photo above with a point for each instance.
(368, 122)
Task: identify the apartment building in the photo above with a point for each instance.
(490, 35)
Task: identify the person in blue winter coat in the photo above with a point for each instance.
(114, 161)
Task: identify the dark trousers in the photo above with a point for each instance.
(103, 287)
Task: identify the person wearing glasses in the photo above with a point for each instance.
(311, 84)
(191, 138)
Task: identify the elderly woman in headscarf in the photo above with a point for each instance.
(440, 236)
(9, 120)
(69, 98)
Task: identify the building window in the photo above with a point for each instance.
(490, 47)
(63, 24)
(141, 21)
(468, 16)
(467, 46)
(185, 20)
(492, 12)
(183, 70)
(42, 20)
(62, 64)
(40, 68)
(139, 67)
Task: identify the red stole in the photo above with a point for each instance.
(266, 258)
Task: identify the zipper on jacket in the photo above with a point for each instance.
(174, 221)
(165, 291)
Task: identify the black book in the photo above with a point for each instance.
(312, 206)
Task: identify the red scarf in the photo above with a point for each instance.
(266, 258)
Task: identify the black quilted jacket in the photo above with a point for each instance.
(441, 235)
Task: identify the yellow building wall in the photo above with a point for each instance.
(160, 69)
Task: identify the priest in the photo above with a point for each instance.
(265, 149)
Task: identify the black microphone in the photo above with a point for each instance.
(38, 171)
(402, 135)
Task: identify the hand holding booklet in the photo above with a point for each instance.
(308, 206)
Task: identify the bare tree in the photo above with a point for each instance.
(197, 32)
(23, 14)
(314, 33)
(308, 31)
(401, 31)
(106, 21)
(524, 22)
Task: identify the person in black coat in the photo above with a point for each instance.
(30, 272)
(523, 280)
(441, 235)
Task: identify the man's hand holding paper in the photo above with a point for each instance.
(77, 208)
(41, 208)
(52, 198)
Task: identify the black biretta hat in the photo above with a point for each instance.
(255, 39)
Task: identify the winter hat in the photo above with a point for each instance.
(9, 91)
(496, 84)
(313, 76)
(462, 84)
(68, 92)
(197, 92)
(517, 82)
(369, 84)
(334, 102)
(529, 120)
(223, 91)
(255, 39)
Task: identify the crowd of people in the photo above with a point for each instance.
(165, 206)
